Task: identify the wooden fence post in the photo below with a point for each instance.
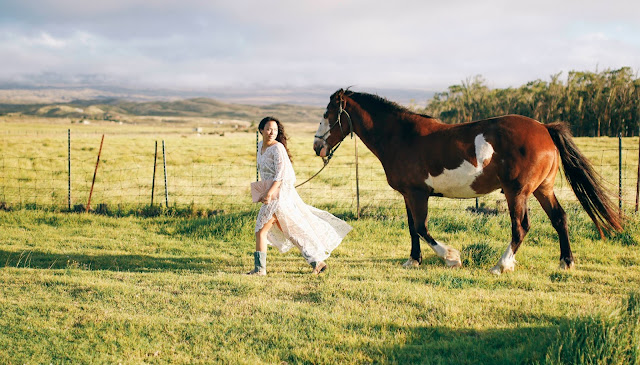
(155, 163)
(638, 177)
(357, 181)
(620, 172)
(164, 162)
(94, 174)
(69, 167)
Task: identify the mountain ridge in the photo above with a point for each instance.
(292, 105)
(14, 93)
(116, 110)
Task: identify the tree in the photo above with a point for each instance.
(593, 103)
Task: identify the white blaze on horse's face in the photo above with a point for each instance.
(319, 143)
(456, 183)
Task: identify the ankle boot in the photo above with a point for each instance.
(260, 264)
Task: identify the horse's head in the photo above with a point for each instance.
(334, 127)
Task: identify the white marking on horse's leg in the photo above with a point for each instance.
(411, 263)
(506, 263)
(564, 266)
(450, 255)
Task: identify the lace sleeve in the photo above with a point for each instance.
(279, 158)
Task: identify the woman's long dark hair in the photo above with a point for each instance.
(281, 137)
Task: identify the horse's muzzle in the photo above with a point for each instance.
(320, 147)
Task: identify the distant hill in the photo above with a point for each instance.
(11, 93)
(115, 103)
(198, 107)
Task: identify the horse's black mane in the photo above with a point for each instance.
(380, 103)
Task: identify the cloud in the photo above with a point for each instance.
(426, 44)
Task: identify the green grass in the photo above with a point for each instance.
(213, 170)
(600, 339)
(78, 288)
(142, 284)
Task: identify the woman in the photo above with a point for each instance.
(287, 221)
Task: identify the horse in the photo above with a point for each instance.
(423, 157)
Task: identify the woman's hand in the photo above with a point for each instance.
(266, 199)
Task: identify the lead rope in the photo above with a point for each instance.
(326, 162)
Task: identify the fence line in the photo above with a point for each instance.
(215, 173)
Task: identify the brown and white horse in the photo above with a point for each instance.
(424, 157)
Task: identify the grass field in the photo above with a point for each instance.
(213, 169)
(125, 288)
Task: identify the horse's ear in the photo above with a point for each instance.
(337, 95)
(341, 99)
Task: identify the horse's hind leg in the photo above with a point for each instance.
(558, 217)
(519, 227)
(416, 255)
(417, 201)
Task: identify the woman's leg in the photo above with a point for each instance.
(261, 245)
(261, 235)
(260, 256)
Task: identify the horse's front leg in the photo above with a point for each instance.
(415, 259)
(418, 201)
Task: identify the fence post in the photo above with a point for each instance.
(357, 181)
(257, 155)
(69, 166)
(620, 172)
(4, 173)
(94, 174)
(638, 177)
(166, 190)
(155, 163)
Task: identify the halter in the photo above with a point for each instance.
(333, 150)
(337, 122)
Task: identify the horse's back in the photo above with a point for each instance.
(517, 130)
(520, 146)
(505, 132)
(524, 149)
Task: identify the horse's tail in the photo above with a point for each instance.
(585, 181)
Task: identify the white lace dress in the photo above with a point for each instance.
(315, 232)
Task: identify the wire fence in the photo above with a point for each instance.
(56, 170)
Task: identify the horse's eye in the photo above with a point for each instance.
(325, 116)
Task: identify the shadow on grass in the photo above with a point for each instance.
(443, 345)
(594, 339)
(133, 263)
(228, 226)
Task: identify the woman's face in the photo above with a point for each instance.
(270, 132)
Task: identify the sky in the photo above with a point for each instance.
(209, 44)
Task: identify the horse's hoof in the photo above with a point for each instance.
(411, 263)
(452, 259)
(453, 264)
(502, 268)
(564, 266)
